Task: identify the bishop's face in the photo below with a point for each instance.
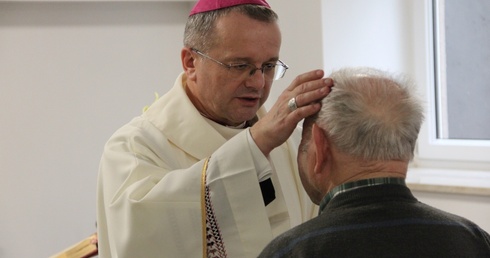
(225, 96)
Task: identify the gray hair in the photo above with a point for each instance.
(199, 30)
(371, 114)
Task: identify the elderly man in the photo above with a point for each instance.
(353, 159)
(206, 171)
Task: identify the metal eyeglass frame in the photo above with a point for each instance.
(277, 75)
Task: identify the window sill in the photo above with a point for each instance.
(449, 181)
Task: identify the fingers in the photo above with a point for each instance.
(311, 92)
(309, 87)
(307, 95)
(312, 89)
(306, 77)
(299, 100)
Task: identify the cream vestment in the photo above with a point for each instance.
(149, 186)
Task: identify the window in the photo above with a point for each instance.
(462, 44)
(456, 133)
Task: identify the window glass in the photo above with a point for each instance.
(462, 51)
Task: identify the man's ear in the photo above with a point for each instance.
(188, 63)
(322, 147)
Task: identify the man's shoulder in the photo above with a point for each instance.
(297, 238)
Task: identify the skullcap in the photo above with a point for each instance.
(211, 5)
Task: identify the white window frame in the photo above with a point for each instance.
(431, 151)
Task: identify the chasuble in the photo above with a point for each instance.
(149, 187)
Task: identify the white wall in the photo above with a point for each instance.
(70, 74)
(73, 72)
(368, 33)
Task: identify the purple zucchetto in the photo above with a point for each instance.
(211, 5)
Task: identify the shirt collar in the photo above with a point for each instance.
(359, 184)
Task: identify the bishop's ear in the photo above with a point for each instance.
(188, 62)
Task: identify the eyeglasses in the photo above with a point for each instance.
(271, 71)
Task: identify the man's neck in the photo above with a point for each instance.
(361, 170)
(362, 183)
